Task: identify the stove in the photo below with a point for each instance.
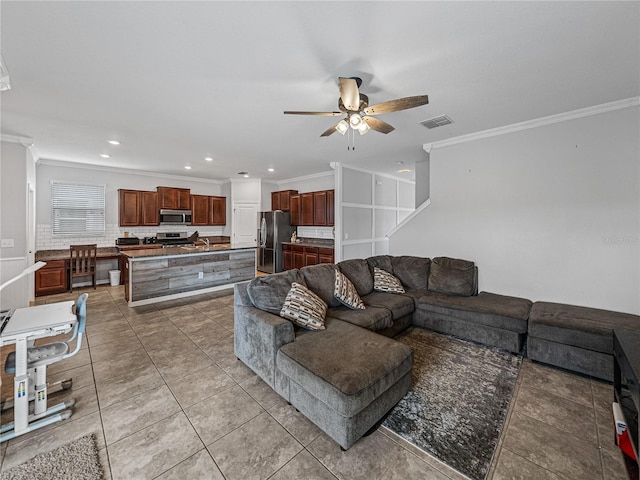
(173, 239)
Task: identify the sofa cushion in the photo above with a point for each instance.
(268, 293)
(373, 318)
(368, 365)
(452, 276)
(490, 309)
(398, 305)
(357, 270)
(583, 327)
(346, 293)
(304, 308)
(383, 281)
(413, 272)
(321, 280)
(380, 261)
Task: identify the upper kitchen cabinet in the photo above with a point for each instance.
(313, 208)
(281, 200)
(138, 208)
(200, 210)
(208, 210)
(217, 210)
(174, 198)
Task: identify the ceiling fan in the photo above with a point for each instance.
(359, 115)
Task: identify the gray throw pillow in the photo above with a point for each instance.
(269, 293)
(452, 276)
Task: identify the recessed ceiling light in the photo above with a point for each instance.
(208, 159)
(105, 155)
(404, 170)
(246, 175)
(187, 167)
(114, 142)
(271, 169)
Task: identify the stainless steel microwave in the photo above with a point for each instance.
(175, 217)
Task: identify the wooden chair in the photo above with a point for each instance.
(82, 263)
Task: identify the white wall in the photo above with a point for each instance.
(369, 206)
(13, 223)
(115, 179)
(550, 213)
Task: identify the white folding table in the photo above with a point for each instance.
(25, 326)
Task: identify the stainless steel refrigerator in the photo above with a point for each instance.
(273, 229)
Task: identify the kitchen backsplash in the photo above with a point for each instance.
(46, 241)
(316, 232)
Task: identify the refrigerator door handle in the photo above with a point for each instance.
(263, 232)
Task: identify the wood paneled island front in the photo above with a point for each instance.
(154, 275)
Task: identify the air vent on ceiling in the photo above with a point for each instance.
(437, 121)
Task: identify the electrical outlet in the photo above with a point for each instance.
(6, 243)
(200, 275)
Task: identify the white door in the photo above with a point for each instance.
(244, 224)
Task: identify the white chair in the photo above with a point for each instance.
(38, 357)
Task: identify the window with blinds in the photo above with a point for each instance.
(77, 209)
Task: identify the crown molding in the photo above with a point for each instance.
(126, 171)
(305, 177)
(24, 141)
(537, 122)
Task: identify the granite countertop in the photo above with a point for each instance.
(213, 240)
(184, 250)
(313, 242)
(63, 254)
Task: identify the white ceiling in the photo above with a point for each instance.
(178, 81)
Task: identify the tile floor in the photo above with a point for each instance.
(166, 398)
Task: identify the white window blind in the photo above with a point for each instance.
(77, 209)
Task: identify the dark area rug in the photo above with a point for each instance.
(457, 406)
(77, 460)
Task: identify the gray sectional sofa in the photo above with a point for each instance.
(346, 377)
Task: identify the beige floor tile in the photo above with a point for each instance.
(154, 450)
(558, 382)
(138, 412)
(254, 451)
(122, 346)
(199, 465)
(124, 363)
(303, 465)
(194, 387)
(117, 388)
(220, 414)
(295, 423)
(514, 467)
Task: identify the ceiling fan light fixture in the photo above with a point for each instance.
(363, 128)
(355, 120)
(342, 126)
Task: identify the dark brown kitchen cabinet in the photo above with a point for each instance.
(138, 208)
(174, 198)
(330, 208)
(200, 210)
(306, 208)
(325, 255)
(310, 256)
(281, 200)
(52, 278)
(217, 210)
(298, 256)
(294, 204)
(287, 257)
(320, 208)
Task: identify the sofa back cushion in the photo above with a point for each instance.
(381, 261)
(413, 272)
(357, 270)
(269, 293)
(453, 276)
(320, 279)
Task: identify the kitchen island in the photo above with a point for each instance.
(153, 275)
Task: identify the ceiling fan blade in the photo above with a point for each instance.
(323, 114)
(349, 93)
(378, 125)
(395, 105)
(330, 130)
